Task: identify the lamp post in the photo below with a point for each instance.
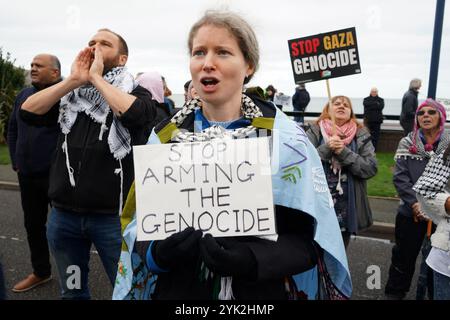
(437, 35)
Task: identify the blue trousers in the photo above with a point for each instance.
(70, 237)
(441, 286)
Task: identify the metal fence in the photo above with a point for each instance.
(359, 116)
(317, 114)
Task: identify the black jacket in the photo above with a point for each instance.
(409, 107)
(31, 148)
(291, 254)
(97, 187)
(162, 112)
(373, 109)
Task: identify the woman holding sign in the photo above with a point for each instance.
(192, 264)
(348, 158)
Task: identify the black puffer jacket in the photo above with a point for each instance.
(97, 187)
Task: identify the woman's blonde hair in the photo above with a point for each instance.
(326, 114)
(238, 27)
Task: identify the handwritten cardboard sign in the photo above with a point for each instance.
(222, 187)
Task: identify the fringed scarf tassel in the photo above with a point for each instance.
(120, 171)
(103, 129)
(339, 186)
(69, 168)
(221, 286)
(226, 289)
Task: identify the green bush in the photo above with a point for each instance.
(4, 155)
(12, 80)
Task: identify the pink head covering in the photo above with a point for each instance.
(152, 81)
(443, 117)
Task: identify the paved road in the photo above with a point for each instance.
(362, 253)
(14, 255)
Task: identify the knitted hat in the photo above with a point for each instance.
(443, 117)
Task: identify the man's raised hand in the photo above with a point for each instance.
(80, 67)
(97, 66)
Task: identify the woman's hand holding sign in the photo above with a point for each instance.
(227, 256)
(178, 248)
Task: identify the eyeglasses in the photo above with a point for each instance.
(430, 112)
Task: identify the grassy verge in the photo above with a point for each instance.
(381, 185)
(4, 154)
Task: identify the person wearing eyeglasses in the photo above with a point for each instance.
(413, 153)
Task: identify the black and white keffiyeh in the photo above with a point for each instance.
(249, 109)
(435, 177)
(405, 147)
(88, 99)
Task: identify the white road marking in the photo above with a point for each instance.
(385, 241)
(10, 238)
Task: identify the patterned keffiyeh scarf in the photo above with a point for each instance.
(435, 177)
(405, 149)
(248, 108)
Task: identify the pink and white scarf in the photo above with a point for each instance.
(347, 133)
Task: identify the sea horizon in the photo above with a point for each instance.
(392, 106)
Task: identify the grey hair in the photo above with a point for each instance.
(415, 84)
(55, 62)
(238, 27)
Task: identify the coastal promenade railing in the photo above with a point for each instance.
(390, 133)
(359, 116)
(317, 114)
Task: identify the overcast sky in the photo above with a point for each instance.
(394, 37)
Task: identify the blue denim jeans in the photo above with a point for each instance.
(441, 286)
(70, 237)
